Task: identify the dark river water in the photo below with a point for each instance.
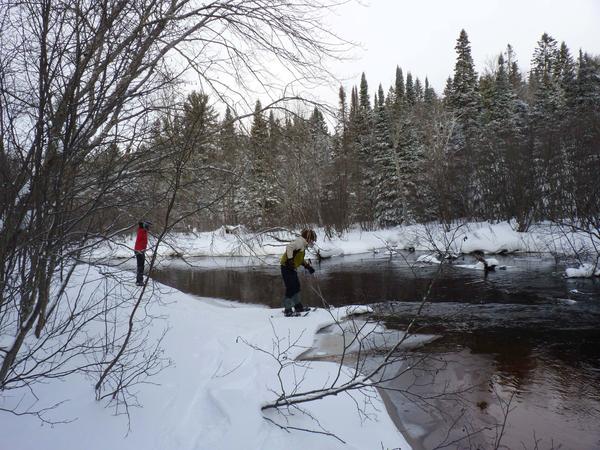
(521, 337)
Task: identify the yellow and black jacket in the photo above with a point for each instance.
(295, 250)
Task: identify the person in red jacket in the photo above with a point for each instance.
(141, 242)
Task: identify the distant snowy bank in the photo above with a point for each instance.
(461, 239)
(585, 270)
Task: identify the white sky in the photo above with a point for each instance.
(420, 35)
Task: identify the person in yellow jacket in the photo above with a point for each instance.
(290, 261)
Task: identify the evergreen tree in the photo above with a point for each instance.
(399, 92)
(319, 148)
(487, 87)
(411, 96)
(386, 183)
(294, 160)
(198, 125)
(390, 101)
(546, 127)
(514, 73)
(353, 115)
(353, 131)
(507, 183)
(465, 103)
(418, 91)
(448, 93)
(464, 93)
(197, 131)
(585, 132)
(364, 102)
(229, 143)
(409, 157)
(566, 79)
(228, 139)
(429, 96)
(364, 145)
(338, 175)
(275, 134)
(263, 188)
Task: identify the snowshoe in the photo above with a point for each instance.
(299, 308)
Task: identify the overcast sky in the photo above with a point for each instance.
(420, 35)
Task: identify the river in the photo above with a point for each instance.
(521, 334)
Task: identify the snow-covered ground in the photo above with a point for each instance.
(463, 238)
(211, 397)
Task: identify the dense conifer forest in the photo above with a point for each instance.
(498, 145)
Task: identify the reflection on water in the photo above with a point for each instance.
(458, 399)
(523, 330)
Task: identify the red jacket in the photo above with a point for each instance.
(141, 240)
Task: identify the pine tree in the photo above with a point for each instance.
(319, 149)
(338, 176)
(565, 73)
(418, 91)
(386, 185)
(448, 93)
(390, 100)
(585, 132)
(465, 103)
(199, 123)
(353, 136)
(197, 131)
(411, 96)
(546, 127)
(294, 159)
(399, 92)
(364, 144)
(464, 83)
(275, 134)
(514, 74)
(364, 101)
(507, 184)
(263, 187)
(429, 96)
(229, 143)
(228, 139)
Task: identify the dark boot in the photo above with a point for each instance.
(287, 312)
(298, 307)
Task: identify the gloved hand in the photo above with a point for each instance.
(310, 269)
(290, 264)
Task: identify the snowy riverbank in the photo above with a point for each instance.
(465, 238)
(211, 395)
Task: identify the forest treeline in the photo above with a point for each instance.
(497, 146)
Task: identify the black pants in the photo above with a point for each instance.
(141, 259)
(292, 287)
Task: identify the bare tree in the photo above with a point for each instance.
(80, 83)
